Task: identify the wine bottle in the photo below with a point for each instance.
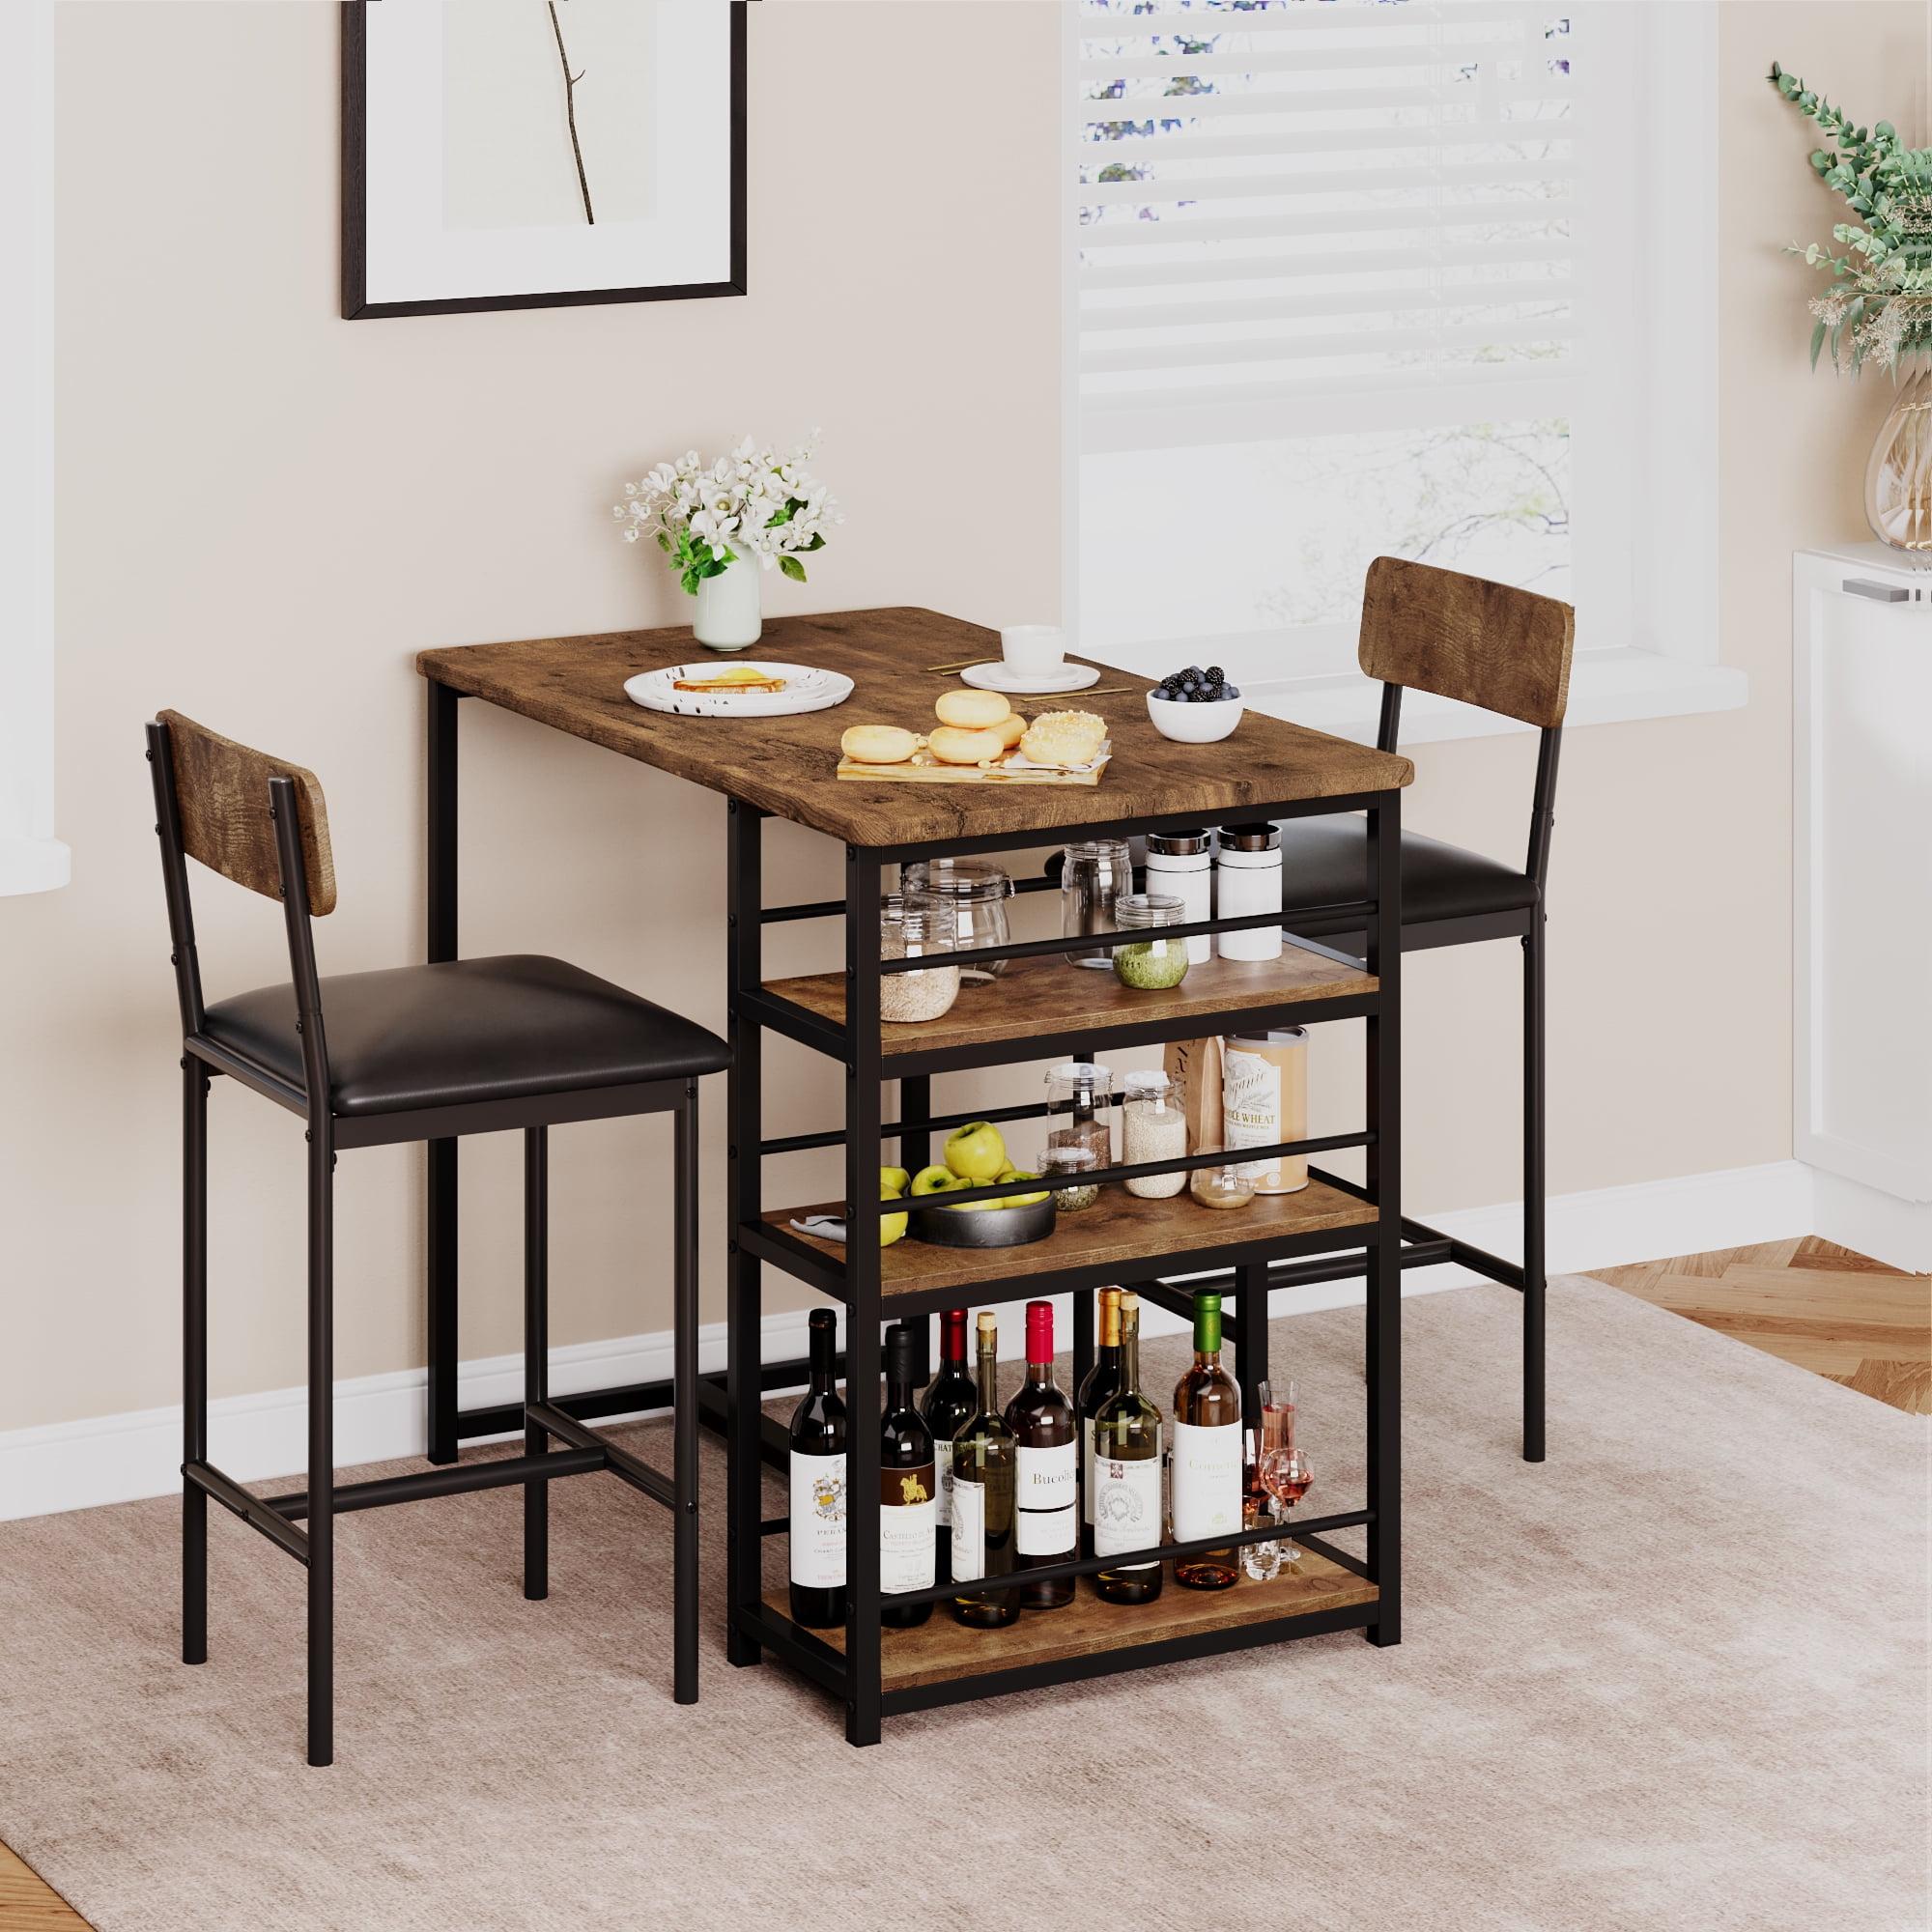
(983, 1495)
(818, 1487)
(1047, 1481)
(1206, 1473)
(1126, 1478)
(907, 1511)
(948, 1407)
(1099, 1382)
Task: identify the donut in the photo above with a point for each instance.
(878, 745)
(1011, 729)
(952, 745)
(974, 709)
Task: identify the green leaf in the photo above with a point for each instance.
(1817, 342)
(817, 540)
(663, 540)
(792, 568)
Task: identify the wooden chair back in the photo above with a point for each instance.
(222, 792)
(1483, 643)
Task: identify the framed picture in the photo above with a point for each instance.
(540, 153)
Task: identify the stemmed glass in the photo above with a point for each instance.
(1282, 1471)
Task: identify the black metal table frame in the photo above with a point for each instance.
(1247, 1270)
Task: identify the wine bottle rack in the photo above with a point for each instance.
(1332, 1228)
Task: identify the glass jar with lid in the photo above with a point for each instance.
(1153, 1126)
(911, 926)
(1069, 1165)
(1080, 1109)
(1152, 964)
(1094, 873)
(978, 893)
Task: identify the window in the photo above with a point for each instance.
(1353, 278)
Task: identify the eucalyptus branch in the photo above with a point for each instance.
(570, 81)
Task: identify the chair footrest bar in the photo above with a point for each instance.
(253, 1510)
(621, 1463)
(453, 1479)
(775, 1525)
(1465, 1254)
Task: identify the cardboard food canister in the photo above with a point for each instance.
(1265, 1101)
(1196, 1064)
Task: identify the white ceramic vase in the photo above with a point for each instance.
(728, 615)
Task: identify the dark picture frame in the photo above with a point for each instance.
(356, 303)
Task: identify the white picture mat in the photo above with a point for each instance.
(411, 254)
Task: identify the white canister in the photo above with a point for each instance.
(1265, 1101)
(1179, 865)
(1247, 879)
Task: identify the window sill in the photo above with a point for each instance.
(33, 865)
(1605, 688)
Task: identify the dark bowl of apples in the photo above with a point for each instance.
(1195, 706)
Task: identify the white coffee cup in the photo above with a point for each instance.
(1033, 649)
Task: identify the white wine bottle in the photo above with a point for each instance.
(1207, 1474)
(982, 1496)
(1127, 1474)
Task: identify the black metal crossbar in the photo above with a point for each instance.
(453, 1479)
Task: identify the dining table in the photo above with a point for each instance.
(787, 767)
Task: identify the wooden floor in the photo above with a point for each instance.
(1853, 1321)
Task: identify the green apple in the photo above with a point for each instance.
(893, 1182)
(976, 1152)
(933, 1180)
(891, 1225)
(1024, 1200)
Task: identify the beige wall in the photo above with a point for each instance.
(264, 511)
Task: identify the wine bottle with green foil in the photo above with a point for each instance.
(1207, 1468)
(984, 1463)
(907, 1511)
(1096, 1387)
(948, 1407)
(1127, 1474)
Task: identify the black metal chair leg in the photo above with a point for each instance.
(321, 1448)
(536, 1354)
(1533, 1190)
(684, 1369)
(194, 1356)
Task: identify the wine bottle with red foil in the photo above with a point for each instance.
(1099, 1382)
(907, 1511)
(818, 1487)
(948, 1407)
(1046, 1488)
(1206, 1468)
(1126, 1476)
(982, 1496)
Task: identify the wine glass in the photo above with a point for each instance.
(1274, 1430)
(1283, 1469)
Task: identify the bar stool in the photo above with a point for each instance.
(1507, 651)
(416, 1053)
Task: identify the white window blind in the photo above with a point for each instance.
(1333, 299)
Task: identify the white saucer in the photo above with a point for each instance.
(1066, 677)
(808, 688)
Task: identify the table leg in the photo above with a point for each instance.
(1383, 1339)
(440, 1338)
(744, 1311)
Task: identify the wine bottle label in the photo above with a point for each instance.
(1087, 1470)
(969, 1530)
(942, 1481)
(1126, 1507)
(817, 1520)
(1046, 1520)
(908, 1519)
(1207, 1478)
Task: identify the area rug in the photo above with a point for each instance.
(1674, 1677)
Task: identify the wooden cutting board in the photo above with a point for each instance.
(931, 772)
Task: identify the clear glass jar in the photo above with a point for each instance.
(1080, 1109)
(978, 893)
(1153, 1126)
(909, 926)
(1068, 1163)
(1220, 1187)
(1093, 874)
(1150, 965)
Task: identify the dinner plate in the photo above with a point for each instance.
(806, 687)
(995, 676)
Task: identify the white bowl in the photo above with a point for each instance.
(1194, 723)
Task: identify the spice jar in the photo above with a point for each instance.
(909, 926)
(978, 893)
(1080, 1099)
(1150, 965)
(1220, 1187)
(1066, 1162)
(1153, 1126)
(1093, 874)
(1180, 864)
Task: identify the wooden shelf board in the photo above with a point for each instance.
(941, 1650)
(1047, 996)
(1139, 1235)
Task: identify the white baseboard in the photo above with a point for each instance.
(1874, 1223)
(261, 1437)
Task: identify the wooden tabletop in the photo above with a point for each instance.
(785, 765)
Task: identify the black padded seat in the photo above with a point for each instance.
(1325, 862)
(468, 1030)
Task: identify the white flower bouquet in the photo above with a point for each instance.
(752, 503)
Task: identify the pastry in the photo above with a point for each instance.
(878, 745)
(953, 745)
(975, 709)
(1066, 738)
(1012, 727)
(737, 677)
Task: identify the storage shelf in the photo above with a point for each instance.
(941, 1650)
(1047, 999)
(1120, 1233)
